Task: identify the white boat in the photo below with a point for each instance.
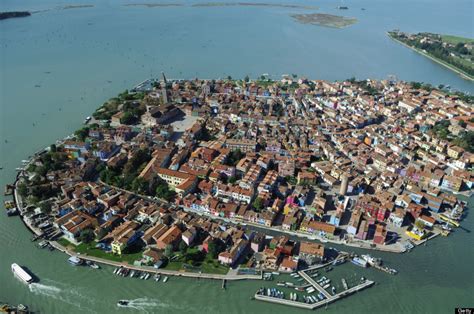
(147, 276)
(165, 279)
(74, 260)
(275, 273)
(115, 271)
(132, 273)
(20, 273)
(157, 278)
(359, 262)
(91, 264)
(326, 286)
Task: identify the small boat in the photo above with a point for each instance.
(281, 284)
(91, 264)
(165, 279)
(147, 276)
(157, 278)
(132, 274)
(326, 286)
(329, 268)
(43, 244)
(123, 303)
(333, 289)
(115, 271)
(87, 119)
(74, 260)
(275, 273)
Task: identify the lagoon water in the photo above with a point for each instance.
(58, 65)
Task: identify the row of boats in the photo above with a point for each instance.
(275, 293)
(366, 260)
(126, 272)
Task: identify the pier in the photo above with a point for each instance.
(316, 305)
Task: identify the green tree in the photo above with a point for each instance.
(168, 250)
(87, 235)
(53, 148)
(247, 79)
(127, 118)
(232, 179)
(22, 189)
(462, 124)
(258, 204)
(140, 185)
(182, 247)
(82, 134)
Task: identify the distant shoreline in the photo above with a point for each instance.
(441, 62)
(14, 14)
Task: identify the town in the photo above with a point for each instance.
(188, 175)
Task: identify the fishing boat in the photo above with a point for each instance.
(21, 274)
(123, 303)
(75, 261)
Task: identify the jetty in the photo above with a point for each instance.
(326, 301)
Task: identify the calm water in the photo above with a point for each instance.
(80, 57)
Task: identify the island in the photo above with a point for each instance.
(254, 4)
(455, 53)
(327, 20)
(13, 14)
(190, 177)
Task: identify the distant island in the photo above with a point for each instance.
(255, 4)
(9, 15)
(153, 5)
(77, 6)
(453, 52)
(327, 20)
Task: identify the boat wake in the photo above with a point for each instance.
(144, 304)
(67, 294)
(46, 290)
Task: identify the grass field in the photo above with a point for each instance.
(91, 250)
(456, 39)
(208, 265)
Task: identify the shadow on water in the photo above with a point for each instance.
(35, 278)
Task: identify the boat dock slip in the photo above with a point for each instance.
(316, 305)
(314, 284)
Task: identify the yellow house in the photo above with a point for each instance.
(117, 247)
(455, 152)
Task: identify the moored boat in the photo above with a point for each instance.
(74, 260)
(359, 262)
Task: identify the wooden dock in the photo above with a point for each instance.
(328, 297)
(319, 304)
